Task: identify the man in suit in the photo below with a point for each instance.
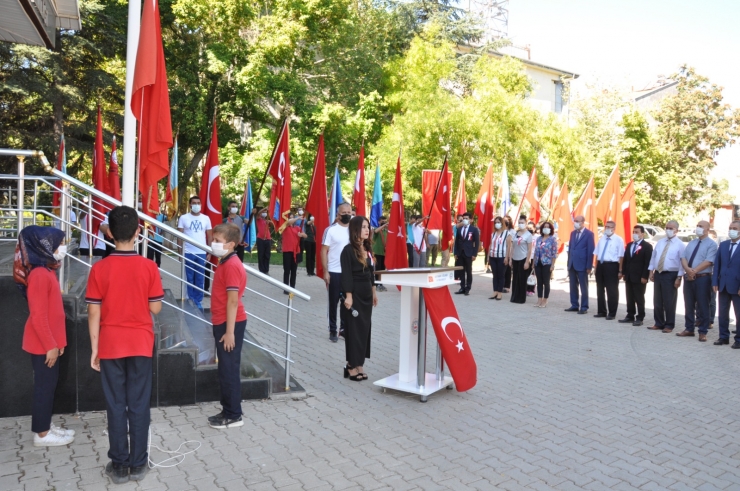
(666, 271)
(580, 264)
(467, 243)
(698, 258)
(635, 272)
(726, 282)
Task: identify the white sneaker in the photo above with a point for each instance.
(52, 440)
(61, 431)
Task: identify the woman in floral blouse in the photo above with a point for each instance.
(545, 254)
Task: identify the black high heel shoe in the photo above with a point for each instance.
(346, 371)
(355, 378)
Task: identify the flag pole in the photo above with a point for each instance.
(129, 121)
(439, 182)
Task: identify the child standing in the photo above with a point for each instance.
(38, 254)
(229, 323)
(122, 292)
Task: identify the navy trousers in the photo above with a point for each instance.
(578, 280)
(44, 385)
(127, 385)
(697, 295)
(264, 247)
(665, 295)
(725, 300)
(498, 268)
(335, 288)
(229, 369)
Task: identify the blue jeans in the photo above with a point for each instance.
(195, 266)
(229, 369)
(696, 297)
(578, 279)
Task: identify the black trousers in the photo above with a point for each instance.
(207, 275)
(379, 265)
(635, 300)
(240, 252)
(498, 268)
(466, 275)
(665, 295)
(154, 252)
(96, 252)
(263, 255)
(542, 271)
(458, 273)
(229, 369)
(290, 268)
(507, 277)
(519, 281)
(410, 254)
(607, 281)
(310, 257)
(335, 289)
(44, 385)
(127, 386)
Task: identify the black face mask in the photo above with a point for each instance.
(345, 218)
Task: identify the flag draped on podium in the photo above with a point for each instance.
(395, 247)
(451, 337)
(316, 204)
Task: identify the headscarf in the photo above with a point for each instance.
(36, 246)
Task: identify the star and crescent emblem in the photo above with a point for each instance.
(453, 320)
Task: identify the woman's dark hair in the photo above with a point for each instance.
(356, 241)
(548, 223)
(509, 222)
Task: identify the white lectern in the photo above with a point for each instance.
(412, 376)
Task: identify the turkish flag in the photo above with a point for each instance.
(562, 216)
(461, 197)
(451, 337)
(150, 104)
(609, 204)
(280, 171)
(317, 203)
(550, 196)
(210, 187)
(530, 197)
(586, 206)
(629, 210)
(485, 209)
(396, 256)
(441, 215)
(431, 197)
(100, 179)
(114, 182)
(358, 195)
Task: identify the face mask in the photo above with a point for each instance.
(636, 237)
(577, 225)
(310, 219)
(699, 231)
(733, 234)
(233, 210)
(61, 252)
(345, 218)
(522, 226)
(218, 249)
(195, 208)
(546, 230)
(609, 232)
(466, 222)
(670, 233)
(497, 225)
(263, 215)
(300, 213)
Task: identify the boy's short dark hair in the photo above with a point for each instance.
(124, 223)
(190, 201)
(467, 214)
(228, 231)
(232, 202)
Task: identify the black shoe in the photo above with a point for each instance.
(333, 337)
(610, 317)
(217, 417)
(459, 292)
(735, 345)
(572, 309)
(138, 473)
(466, 293)
(582, 312)
(118, 473)
(637, 323)
(341, 333)
(626, 320)
(599, 315)
(225, 423)
(720, 342)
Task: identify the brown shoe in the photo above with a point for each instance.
(685, 334)
(702, 337)
(667, 330)
(655, 328)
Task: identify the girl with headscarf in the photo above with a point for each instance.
(37, 256)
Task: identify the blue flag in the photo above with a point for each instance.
(250, 233)
(336, 196)
(376, 210)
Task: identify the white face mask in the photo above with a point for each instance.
(263, 215)
(195, 208)
(670, 233)
(522, 226)
(733, 234)
(577, 225)
(61, 252)
(546, 230)
(466, 222)
(636, 237)
(233, 210)
(699, 231)
(497, 225)
(218, 249)
(300, 213)
(609, 232)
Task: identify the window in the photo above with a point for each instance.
(558, 97)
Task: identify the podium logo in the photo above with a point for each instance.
(431, 279)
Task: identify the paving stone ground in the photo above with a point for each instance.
(563, 402)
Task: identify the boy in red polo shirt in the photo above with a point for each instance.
(123, 290)
(229, 323)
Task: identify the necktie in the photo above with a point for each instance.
(578, 236)
(465, 233)
(634, 248)
(603, 249)
(693, 254)
(732, 248)
(661, 261)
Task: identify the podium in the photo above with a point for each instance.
(412, 376)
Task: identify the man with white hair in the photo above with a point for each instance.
(666, 272)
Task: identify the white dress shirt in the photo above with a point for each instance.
(673, 257)
(609, 249)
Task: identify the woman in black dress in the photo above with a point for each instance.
(358, 289)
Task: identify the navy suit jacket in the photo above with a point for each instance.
(726, 274)
(581, 253)
(467, 246)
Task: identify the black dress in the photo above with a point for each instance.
(357, 279)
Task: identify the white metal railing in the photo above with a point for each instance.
(76, 195)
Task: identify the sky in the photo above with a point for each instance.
(630, 43)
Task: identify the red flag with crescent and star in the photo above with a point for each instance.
(210, 188)
(316, 204)
(396, 256)
(451, 337)
(358, 194)
(280, 171)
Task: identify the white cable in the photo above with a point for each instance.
(177, 454)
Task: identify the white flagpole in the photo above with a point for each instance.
(129, 122)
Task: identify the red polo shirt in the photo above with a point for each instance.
(291, 241)
(46, 327)
(263, 229)
(229, 276)
(123, 284)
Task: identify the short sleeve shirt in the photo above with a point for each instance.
(123, 284)
(336, 238)
(229, 276)
(194, 226)
(707, 252)
(519, 245)
(239, 222)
